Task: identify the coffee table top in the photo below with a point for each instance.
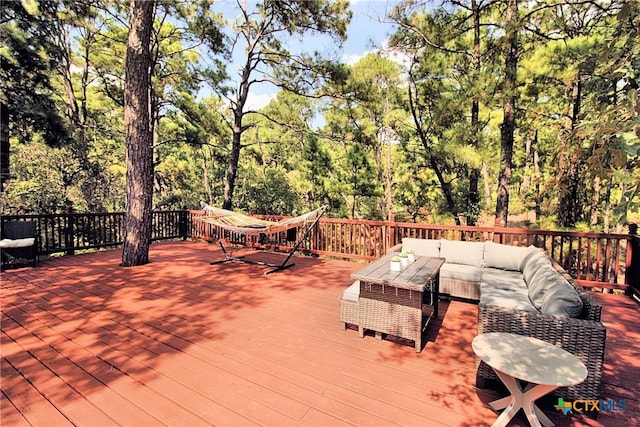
(529, 359)
(415, 276)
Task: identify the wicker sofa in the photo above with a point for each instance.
(521, 290)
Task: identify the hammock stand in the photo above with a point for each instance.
(250, 226)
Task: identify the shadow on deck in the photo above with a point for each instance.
(181, 342)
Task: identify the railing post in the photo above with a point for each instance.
(69, 241)
(184, 223)
(632, 271)
(497, 236)
(392, 232)
(315, 236)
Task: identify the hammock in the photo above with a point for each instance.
(243, 224)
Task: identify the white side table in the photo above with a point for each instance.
(544, 366)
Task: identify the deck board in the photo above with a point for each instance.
(182, 342)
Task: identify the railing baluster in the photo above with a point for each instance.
(605, 261)
(614, 265)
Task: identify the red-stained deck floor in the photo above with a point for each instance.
(180, 342)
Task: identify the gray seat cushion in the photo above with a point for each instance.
(503, 279)
(517, 299)
(467, 273)
(352, 293)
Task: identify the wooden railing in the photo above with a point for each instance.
(72, 232)
(596, 260)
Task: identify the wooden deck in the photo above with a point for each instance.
(183, 343)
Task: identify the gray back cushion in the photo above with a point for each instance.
(562, 300)
(532, 262)
(542, 280)
(551, 293)
(422, 247)
(459, 252)
(505, 257)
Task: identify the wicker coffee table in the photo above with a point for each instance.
(391, 301)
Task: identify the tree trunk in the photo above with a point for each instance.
(595, 201)
(238, 130)
(487, 188)
(205, 178)
(570, 208)
(507, 129)
(537, 178)
(445, 186)
(607, 208)
(388, 192)
(77, 111)
(473, 197)
(5, 145)
(526, 180)
(232, 171)
(139, 135)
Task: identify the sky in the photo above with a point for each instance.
(366, 32)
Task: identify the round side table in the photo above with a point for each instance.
(543, 366)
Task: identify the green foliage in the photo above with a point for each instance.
(314, 168)
(452, 85)
(62, 81)
(367, 121)
(43, 182)
(28, 55)
(268, 193)
(416, 195)
(257, 35)
(615, 122)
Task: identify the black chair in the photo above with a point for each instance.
(19, 244)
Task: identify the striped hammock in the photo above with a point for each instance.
(240, 223)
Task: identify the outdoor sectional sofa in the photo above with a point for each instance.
(521, 290)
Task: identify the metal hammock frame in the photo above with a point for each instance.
(250, 226)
